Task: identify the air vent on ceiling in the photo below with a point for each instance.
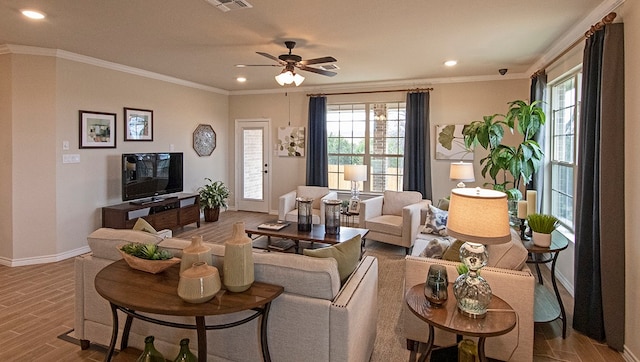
(227, 5)
(329, 67)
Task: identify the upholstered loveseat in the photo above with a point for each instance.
(315, 319)
(509, 278)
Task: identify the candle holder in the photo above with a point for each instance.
(523, 230)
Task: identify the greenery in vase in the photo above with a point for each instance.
(542, 223)
(214, 194)
(506, 165)
(146, 251)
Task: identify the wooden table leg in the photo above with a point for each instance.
(202, 339)
(114, 333)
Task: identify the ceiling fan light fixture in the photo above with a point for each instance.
(298, 79)
(286, 77)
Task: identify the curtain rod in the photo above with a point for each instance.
(608, 19)
(368, 92)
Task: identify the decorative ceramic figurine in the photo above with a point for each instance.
(194, 253)
(238, 260)
(199, 284)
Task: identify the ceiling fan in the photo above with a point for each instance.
(290, 62)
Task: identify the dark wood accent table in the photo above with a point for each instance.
(317, 234)
(500, 318)
(547, 307)
(131, 291)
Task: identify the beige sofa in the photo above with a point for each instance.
(315, 319)
(514, 285)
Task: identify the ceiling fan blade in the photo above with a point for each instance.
(316, 70)
(272, 58)
(318, 60)
(257, 65)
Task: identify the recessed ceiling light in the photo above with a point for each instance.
(32, 14)
(450, 63)
(241, 79)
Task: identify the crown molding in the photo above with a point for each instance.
(575, 33)
(63, 54)
(406, 83)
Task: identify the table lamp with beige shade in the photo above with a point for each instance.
(479, 217)
(461, 172)
(355, 174)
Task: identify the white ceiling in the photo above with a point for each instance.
(373, 41)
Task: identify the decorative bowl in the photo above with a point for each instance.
(147, 265)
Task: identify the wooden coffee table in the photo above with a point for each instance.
(131, 291)
(500, 318)
(317, 234)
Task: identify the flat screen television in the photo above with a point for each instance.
(150, 175)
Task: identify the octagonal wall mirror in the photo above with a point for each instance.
(204, 140)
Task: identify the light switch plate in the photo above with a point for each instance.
(71, 158)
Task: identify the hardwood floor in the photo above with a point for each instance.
(37, 304)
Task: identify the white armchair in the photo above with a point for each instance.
(393, 218)
(287, 206)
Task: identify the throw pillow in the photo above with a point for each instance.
(436, 221)
(435, 248)
(143, 225)
(347, 254)
(453, 253)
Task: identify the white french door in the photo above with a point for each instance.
(253, 164)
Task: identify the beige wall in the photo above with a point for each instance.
(55, 205)
(33, 161)
(6, 153)
(630, 15)
(456, 103)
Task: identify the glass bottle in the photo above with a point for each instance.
(185, 354)
(150, 353)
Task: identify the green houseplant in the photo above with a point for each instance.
(508, 165)
(213, 196)
(542, 226)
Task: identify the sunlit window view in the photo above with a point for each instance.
(564, 116)
(369, 134)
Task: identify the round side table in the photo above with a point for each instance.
(499, 320)
(547, 307)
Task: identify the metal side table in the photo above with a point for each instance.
(547, 307)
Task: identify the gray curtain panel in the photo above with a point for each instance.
(600, 237)
(417, 153)
(538, 93)
(317, 157)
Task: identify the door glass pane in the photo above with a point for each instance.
(253, 164)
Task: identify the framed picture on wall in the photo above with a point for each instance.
(354, 206)
(138, 124)
(97, 130)
(450, 145)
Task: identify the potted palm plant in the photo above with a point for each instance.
(213, 196)
(542, 226)
(509, 166)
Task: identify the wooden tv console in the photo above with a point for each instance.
(168, 213)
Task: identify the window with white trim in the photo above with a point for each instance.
(565, 107)
(366, 133)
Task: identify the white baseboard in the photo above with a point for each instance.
(44, 259)
(628, 356)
